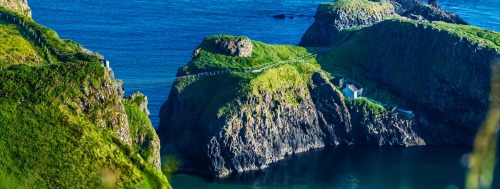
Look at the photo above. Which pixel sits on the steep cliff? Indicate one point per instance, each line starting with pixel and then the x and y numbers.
pixel 244 120
pixel 19 6
pixel 333 17
pixel 63 122
pixel 442 71
pixel 416 9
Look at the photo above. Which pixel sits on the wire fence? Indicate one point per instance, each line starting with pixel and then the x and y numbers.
pixel 255 69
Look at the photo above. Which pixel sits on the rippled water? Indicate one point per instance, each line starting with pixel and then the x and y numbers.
pixel 146 41
pixel 351 167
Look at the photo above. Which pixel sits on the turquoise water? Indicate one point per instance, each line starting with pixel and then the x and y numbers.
pixel 146 41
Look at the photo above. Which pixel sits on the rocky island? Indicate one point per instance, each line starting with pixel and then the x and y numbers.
pixel 426 78
pixel 64 122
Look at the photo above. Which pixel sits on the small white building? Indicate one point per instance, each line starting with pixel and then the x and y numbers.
pixel 104 63
pixel 352 92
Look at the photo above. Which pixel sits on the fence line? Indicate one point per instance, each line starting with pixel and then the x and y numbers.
pixel 255 69
pixel 32 34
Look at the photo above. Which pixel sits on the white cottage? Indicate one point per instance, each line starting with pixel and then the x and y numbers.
pixel 352 92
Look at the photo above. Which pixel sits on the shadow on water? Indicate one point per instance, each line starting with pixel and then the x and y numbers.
pixel 352 167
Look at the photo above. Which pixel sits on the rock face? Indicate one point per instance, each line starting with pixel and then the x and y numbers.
pixel 330 20
pixel 228 45
pixel 445 77
pixel 20 6
pixel 142 101
pixel 334 17
pixel 265 129
pixel 416 9
pixel 144 138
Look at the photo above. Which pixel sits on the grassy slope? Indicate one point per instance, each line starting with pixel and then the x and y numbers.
pixel 357 53
pixel 48 138
pixel 262 54
pixel 15 48
pixel 140 126
pixel 234 86
pixel 352 6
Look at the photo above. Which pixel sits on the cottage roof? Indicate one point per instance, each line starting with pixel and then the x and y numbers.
pixel 352 87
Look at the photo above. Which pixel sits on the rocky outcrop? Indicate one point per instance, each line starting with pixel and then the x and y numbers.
pixel 266 128
pixel 144 138
pixel 418 10
pixel 142 101
pixel 20 6
pixel 331 18
pixel 228 45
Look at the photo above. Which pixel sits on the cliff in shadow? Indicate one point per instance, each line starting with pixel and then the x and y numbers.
pixel 440 70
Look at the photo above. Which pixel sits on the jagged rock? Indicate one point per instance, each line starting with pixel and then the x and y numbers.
pixel 241 47
pixel 416 9
pixel 227 45
pixel 266 129
pixel 434 4
pixel 20 6
pixel 430 13
pixel 330 20
pixel 142 101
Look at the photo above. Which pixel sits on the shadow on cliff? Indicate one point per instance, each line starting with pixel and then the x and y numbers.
pixel 444 79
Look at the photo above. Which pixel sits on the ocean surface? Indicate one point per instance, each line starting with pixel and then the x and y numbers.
pixel 146 41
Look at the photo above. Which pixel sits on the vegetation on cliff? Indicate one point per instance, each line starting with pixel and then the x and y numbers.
pixel 261 116
pixel 439 71
pixel 62 122
pixel 335 16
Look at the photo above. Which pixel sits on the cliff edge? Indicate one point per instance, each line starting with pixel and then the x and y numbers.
pixel 263 108
pixel 64 121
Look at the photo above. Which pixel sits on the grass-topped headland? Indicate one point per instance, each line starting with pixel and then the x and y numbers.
pixel 335 16
pixel 353 6
pixel 53 134
pixel 63 123
pixel 209 58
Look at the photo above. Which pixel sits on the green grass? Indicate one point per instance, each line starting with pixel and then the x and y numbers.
pixel 141 128
pixel 60 50
pixel 363 50
pixel 209 59
pixel 15 49
pixel 49 141
pixel 478 35
pixel 59 118
pixel 218 100
pixel 367 104
pixel 352 6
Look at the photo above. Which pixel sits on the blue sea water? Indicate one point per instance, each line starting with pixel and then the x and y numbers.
pixel 146 41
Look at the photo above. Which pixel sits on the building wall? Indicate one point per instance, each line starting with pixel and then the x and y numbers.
pixel 348 93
